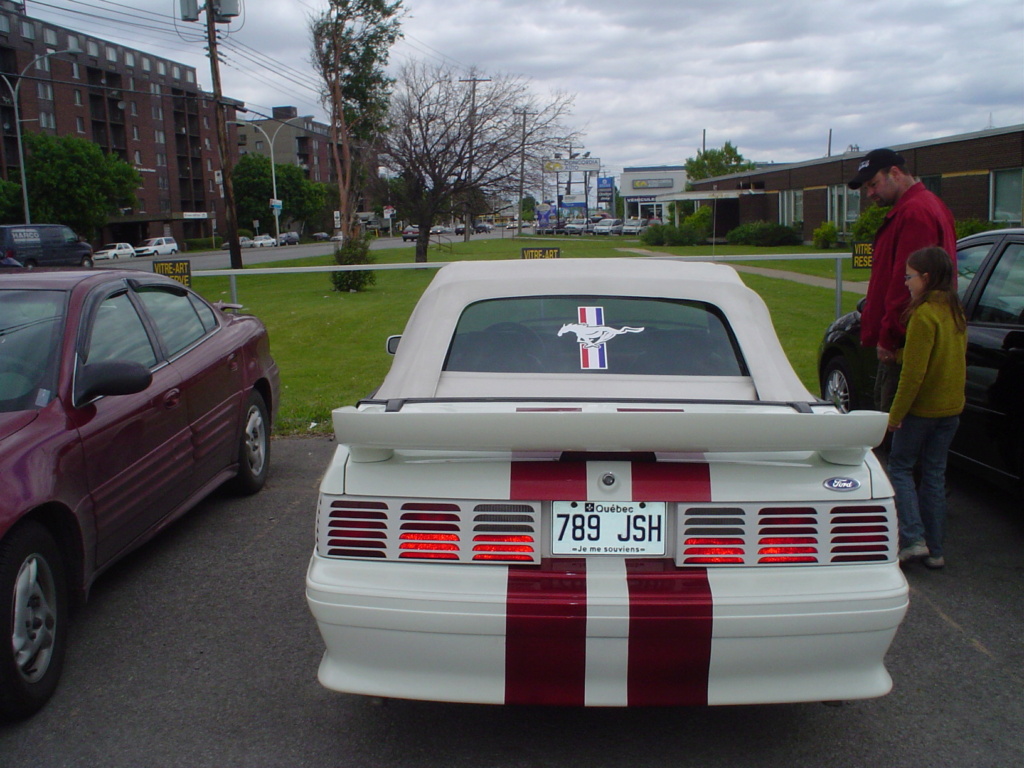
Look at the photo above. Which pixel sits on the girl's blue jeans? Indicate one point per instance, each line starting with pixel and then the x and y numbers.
pixel 921 508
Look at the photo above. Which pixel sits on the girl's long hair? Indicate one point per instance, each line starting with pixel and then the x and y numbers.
pixel 940 279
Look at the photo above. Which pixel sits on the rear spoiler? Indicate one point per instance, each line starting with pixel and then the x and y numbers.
pixel 838 438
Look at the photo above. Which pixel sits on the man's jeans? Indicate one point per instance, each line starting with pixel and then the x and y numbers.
pixel 921 510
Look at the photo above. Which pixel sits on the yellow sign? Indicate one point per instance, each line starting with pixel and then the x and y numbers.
pixel 541 253
pixel 176 270
pixel 863 255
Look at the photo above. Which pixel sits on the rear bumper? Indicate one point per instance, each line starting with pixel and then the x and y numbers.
pixel 606 632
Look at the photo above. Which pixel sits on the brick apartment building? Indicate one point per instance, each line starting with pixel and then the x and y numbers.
pixel 978 175
pixel 147 110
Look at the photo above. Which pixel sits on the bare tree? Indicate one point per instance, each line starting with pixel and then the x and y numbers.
pixel 351 42
pixel 453 137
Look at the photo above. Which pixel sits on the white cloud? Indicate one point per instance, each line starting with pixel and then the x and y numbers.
pixel 651 76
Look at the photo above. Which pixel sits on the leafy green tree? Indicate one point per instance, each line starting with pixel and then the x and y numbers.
pixel 10 203
pixel 303 200
pixel 71 181
pixel 526 210
pixel 351 44
pixel 716 162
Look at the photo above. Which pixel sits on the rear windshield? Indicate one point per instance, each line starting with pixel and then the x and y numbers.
pixel 595 335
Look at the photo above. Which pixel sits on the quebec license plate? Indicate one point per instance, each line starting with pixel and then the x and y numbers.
pixel 608 528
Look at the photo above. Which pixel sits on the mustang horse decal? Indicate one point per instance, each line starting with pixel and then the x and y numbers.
pixel 592 335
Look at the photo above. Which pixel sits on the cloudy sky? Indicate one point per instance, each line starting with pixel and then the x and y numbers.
pixel 653 78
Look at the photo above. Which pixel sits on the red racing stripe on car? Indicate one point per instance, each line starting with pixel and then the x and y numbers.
pixel 671 481
pixel 548 480
pixel 546 634
pixel 670 621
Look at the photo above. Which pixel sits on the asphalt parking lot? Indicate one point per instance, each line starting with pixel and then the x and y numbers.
pixel 198 650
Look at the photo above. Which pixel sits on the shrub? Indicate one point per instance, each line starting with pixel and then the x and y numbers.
pixel 972 226
pixel 763 234
pixel 354 250
pixel 666 234
pixel 700 222
pixel 868 223
pixel 825 236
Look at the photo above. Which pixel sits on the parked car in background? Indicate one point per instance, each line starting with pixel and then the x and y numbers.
pixel 288 238
pixel 320 236
pixel 608 227
pixel 44 245
pixel 483 227
pixel 634 226
pixel 575 227
pixel 264 241
pixel 157 246
pixel 125 399
pixel 337 238
pixel 990 439
pixel 114 251
pixel 599 482
pixel 243 242
pixel 411 232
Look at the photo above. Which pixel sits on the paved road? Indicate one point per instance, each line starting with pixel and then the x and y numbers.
pixel 198 650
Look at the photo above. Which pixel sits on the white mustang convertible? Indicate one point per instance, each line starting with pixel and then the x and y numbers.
pixel 599 482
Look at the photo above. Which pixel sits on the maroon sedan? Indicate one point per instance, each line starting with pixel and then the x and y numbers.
pixel 125 398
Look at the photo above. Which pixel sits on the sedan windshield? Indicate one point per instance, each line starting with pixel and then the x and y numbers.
pixel 30 332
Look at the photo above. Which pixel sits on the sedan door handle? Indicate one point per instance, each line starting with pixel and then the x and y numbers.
pixel 172 398
pixel 233 361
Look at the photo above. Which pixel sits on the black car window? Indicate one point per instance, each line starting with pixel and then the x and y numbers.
pixel 594 335
pixel 1002 300
pixel 968 262
pixel 175 316
pixel 117 333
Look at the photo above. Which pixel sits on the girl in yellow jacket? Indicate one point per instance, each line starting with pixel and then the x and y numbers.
pixel 929 400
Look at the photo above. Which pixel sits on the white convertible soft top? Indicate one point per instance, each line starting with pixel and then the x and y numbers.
pixel 417 368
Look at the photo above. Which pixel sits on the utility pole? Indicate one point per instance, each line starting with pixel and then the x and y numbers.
pixel 469 169
pixel 219 12
pixel 522 176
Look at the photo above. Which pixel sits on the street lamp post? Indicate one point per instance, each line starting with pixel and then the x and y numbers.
pixel 273 167
pixel 14 89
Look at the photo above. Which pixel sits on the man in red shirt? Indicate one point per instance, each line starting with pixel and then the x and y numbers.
pixel 918 219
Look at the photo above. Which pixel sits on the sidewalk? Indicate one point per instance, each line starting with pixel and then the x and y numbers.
pixel 860 288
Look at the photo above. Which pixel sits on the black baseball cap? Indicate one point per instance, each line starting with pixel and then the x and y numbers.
pixel 874 161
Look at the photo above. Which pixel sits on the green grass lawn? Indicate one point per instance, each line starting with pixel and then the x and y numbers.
pixel 330 345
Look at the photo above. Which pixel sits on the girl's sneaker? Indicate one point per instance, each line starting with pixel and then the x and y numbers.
pixel 935 562
pixel 914 551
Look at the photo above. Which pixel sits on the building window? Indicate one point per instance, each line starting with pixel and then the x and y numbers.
pixel 78 98
pixel 73 45
pixel 129 59
pixel 80 124
pixel 5 24
pixel 47 120
pixel 176 72
pixel 43 63
pixel 1007 196
pixel 161 68
pixel 209 165
pixel 791 206
pixel 138 157
pixel 28 30
pixel 146 64
pixel 259 146
pixel 843 206
pixel 45 91
pixel 206 142
pixel 158 112
pixel 161 158
pixel 159 137
pixel 206 121
pixel 133 108
pixel 50 37
pixel 135 132
pixel 75 72
pixel 190 76
pixel 92 48
pixel 154 88
pixel 111 53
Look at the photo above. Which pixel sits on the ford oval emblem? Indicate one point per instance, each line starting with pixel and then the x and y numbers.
pixel 842 484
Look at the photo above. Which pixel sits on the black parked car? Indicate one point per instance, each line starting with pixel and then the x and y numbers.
pixel 990 266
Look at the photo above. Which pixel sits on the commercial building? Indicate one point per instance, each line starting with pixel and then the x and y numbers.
pixel 149 111
pixel 978 175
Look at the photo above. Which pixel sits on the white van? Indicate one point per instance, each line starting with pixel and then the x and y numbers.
pixel 157 246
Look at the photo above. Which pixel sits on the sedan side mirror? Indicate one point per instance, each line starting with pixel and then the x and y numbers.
pixel 392 344
pixel 113 377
